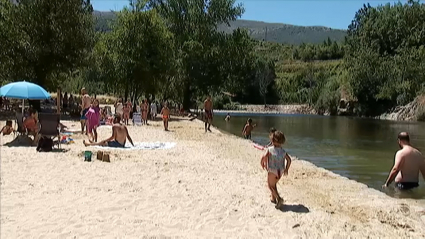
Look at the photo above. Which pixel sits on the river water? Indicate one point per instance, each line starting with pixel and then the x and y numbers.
pixel 359 149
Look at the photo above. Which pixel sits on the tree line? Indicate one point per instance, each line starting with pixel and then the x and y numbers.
pixel 172 50
pixel 157 49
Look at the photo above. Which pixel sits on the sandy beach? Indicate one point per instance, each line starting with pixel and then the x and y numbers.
pixel 208 185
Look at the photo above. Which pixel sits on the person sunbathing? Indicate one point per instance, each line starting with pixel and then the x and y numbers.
pixel 31 123
pixel 8 128
pixel 118 137
pixel 32 126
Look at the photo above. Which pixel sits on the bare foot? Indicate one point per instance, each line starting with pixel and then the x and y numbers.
pixel 279 203
pixel 85 143
pixel 273 200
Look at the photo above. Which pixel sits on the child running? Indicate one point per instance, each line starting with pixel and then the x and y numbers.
pixel 165 112
pixel 93 120
pixel 274 162
pixel 246 132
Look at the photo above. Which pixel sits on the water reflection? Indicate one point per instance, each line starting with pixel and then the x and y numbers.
pixel 360 149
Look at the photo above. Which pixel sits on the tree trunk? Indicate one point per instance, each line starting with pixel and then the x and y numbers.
pixel 126 93
pixel 187 95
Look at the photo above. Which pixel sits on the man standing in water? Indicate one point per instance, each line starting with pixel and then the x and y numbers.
pixel 208 107
pixel 118 137
pixel 85 105
pixel 408 162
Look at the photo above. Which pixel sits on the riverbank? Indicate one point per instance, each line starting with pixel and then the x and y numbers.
pixel 208 185
pixel 273 109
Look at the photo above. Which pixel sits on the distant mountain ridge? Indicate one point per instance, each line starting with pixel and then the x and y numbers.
pixel 272 32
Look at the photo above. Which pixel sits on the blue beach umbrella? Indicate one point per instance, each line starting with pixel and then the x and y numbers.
pixel 24 90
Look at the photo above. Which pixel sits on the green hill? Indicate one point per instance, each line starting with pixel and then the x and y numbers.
pixel 276 32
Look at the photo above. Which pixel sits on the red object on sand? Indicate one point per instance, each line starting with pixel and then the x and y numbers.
pixel 257 146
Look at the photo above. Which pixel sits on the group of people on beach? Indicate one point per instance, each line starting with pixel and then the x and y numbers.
pixel 91 113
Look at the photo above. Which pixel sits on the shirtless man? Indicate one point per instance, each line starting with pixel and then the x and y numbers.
pixel 85 105
pixel 208 107
pixel 165 112
pixel 118 137
pixel 408 162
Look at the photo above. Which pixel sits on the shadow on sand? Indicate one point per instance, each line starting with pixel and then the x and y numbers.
pixel 298 208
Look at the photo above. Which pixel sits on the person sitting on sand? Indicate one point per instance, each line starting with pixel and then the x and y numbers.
pixel 8 128
pixel 165 112
pixel 274 161
pixel 118 137
pixel 407 165
pixel 246 132
pixel 271 132
pixel 227 117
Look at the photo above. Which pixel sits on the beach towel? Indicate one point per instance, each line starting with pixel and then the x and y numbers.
pixel 144 146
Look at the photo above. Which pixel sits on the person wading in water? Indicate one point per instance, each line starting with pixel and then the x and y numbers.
pixel 408 163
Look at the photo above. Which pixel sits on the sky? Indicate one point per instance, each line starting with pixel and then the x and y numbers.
pixel 330 13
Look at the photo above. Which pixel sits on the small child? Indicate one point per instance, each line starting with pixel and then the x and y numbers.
pixel 8 128
pixel 274 162
pixel 246 132
pixel 93 120
pixel 227 117
pixel 271 132
pixel 165 112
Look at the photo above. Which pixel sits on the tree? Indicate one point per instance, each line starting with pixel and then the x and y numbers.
pixel 265 76
pixel 141 47
pixel 384 55
pixel 196 40
pixel 54 36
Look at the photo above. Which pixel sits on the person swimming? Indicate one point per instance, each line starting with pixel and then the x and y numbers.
pixel 227 117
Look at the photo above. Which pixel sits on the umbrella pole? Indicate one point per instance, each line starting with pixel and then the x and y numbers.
pixel 23 106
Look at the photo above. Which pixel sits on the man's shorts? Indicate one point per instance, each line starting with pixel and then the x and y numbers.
pixel 406 185
pixel 115 144
pixel 83 115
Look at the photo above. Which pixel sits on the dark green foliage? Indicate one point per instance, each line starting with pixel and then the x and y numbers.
pixel 44 38
pixel 385 55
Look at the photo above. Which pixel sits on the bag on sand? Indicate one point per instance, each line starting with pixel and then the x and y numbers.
pixel 45 144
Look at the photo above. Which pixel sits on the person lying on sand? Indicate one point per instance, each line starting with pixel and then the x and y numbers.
pixel 246 132
pixel 274 162
pixel 118 138
pixel 407 164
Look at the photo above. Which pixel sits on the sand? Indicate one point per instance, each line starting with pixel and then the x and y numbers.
pixel 208 185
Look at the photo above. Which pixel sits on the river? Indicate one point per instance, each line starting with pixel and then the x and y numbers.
pixel 359 149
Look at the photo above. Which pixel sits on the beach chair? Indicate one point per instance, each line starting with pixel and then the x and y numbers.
pixel 49 126
pixel 20 129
